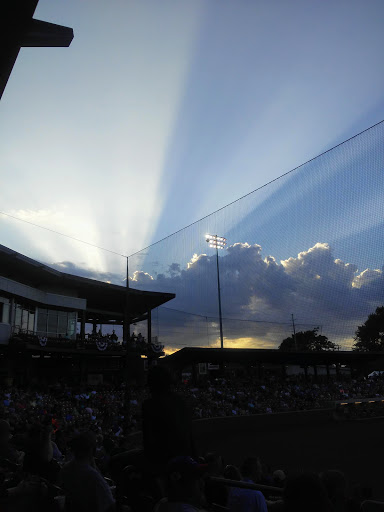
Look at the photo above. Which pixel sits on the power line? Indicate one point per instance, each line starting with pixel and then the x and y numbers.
pixel 259 188
pixel 202 218
pixel 63 234
pixel 233 319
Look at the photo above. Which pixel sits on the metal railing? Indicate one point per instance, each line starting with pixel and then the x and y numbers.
pixel 267 490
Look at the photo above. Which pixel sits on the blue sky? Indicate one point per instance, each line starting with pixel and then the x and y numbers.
pixel 162 112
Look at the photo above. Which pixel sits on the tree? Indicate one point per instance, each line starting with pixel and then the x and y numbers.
pixel 369 337
pixel 307 341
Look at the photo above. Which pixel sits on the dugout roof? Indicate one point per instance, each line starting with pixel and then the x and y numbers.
pixel 249 356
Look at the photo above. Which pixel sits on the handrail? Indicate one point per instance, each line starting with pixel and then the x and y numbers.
pixel 267 489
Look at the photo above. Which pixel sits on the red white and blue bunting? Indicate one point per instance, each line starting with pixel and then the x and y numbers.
pixel 101 344
pixel 43 341
pixel 157 348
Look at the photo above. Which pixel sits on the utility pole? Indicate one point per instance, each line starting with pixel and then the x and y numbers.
pixel 126 339
pixel 294 332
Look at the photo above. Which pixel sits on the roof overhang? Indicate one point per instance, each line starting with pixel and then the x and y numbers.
pixel 105 302
pixel 194 355
pixel 18 29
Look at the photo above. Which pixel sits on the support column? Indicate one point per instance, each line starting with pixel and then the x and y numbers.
pixel 126 324
pixel 35 320
pixel 12 314
pixel 149 327
pixel 83 370
pixel 82 326
pixel 127 316
pixel 315 371
pixel 94 327
pixel 194 373
pixel 328 372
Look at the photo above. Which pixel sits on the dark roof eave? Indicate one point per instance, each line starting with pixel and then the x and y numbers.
pixel 85 282
pixel 195 355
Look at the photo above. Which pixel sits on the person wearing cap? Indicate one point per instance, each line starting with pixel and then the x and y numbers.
pixel 185 486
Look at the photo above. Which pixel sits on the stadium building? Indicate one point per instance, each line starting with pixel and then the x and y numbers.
pixel 44 316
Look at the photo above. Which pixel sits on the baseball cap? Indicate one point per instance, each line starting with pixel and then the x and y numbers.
pixel 186 467
pixel 279 475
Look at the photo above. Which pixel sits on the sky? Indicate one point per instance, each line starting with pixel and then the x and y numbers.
pixel 160 113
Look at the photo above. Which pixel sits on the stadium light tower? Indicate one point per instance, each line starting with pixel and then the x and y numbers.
pixel 218 242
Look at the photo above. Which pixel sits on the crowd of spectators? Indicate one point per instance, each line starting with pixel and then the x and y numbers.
pixel 62 441
pixel 239 397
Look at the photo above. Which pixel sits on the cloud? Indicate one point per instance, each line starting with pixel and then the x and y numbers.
pixel 259 294
pixel 142 277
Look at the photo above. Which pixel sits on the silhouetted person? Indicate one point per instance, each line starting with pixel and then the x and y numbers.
pixel 215 492
pixel 7 451
pixel 248 500
pixel 185 487
pixel 167 423
pixel 84 485
pixel 38 458
pixel 336 486
pixel 306 492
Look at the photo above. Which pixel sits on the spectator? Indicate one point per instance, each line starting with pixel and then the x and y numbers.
pixel 215 492
pixel 85 487
pixel 279 478
pixel 251 470
pixel 167 423
pixel 232 473
pixel 185 487
pixel 306 492
pixel 336 487
pixel 38 458
pixel 248 500
pixel 7 451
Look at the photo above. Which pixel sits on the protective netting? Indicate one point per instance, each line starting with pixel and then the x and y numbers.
pixel 309 244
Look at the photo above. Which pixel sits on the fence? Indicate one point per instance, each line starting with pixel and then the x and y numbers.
pixel 306 249
pixel 308 244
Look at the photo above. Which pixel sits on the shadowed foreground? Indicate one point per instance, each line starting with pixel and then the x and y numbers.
pixel 309 440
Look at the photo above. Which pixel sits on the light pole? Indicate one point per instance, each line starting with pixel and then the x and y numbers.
pixel 126 339
pixel 218 242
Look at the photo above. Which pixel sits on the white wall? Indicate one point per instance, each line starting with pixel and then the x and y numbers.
pixel 49 299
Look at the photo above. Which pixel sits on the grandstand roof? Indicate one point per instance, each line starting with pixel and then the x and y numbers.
pixel 18 29
pixel 250 356
pixel 106 300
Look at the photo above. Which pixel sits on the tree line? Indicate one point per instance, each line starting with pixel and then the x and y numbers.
pixel 369 337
